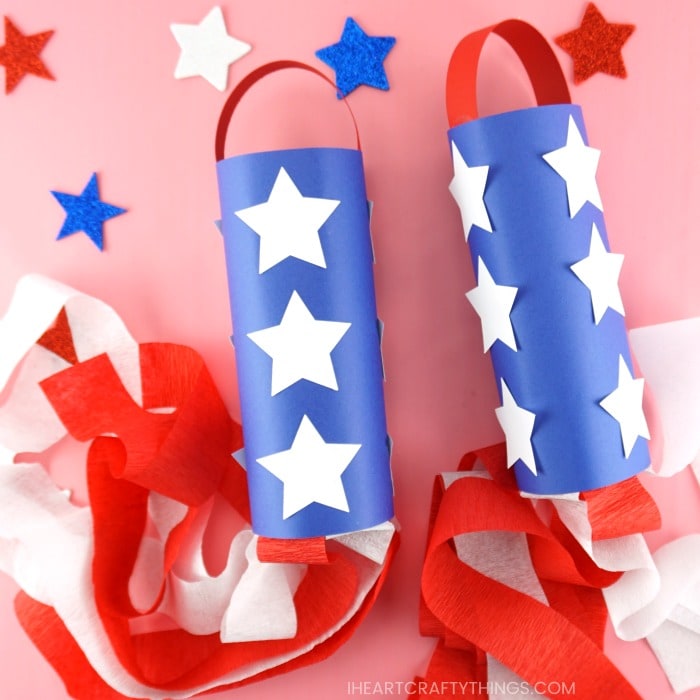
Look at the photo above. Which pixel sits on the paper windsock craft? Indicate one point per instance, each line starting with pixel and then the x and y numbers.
pixel 299 259
pixel 557 546
pixel 547 284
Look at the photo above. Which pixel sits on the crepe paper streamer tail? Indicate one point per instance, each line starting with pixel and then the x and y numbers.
pixel 646 596
pixel 547 285
pixel 299 261
pixel 513 598
pixel 117 594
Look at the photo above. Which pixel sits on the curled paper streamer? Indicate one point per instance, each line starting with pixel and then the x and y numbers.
pixel 299 261
pixel 117 594
pixel 547 290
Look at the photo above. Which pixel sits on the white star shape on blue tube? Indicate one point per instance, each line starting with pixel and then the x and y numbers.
pixel 517 424
pixel 207 49
pixel 311 470
pixel 624 404
pixel 600 272
pixel 493 302
pixel 467 187
pixel 577 164
pixel 300 347
pixel 288 224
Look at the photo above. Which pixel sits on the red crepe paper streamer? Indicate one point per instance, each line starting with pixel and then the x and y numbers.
pixel 472 614
pixel 156 451
pixel 596 46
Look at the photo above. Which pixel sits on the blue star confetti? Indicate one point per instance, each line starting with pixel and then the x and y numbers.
pixel 86 212
pixel 357 59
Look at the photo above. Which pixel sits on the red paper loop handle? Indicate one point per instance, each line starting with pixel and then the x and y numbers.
pixel 235 97
pixel 532 48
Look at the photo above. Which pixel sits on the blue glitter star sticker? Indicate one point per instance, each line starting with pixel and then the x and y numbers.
pixel 357 59
pixel 85 212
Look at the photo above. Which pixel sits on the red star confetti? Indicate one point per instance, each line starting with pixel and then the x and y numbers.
pixel 20 55
pixel 596 46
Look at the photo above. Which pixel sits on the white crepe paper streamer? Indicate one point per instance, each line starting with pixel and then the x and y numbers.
pixel 269 590
pixel 504 557
pixel 95 326
pixel 668 357
pixel 46 543
pixel 504 684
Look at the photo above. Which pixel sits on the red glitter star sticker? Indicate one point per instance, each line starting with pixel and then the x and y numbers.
pixel 20 55
pixel 596 46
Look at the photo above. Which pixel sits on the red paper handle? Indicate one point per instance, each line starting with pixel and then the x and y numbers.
pixel 532 48
pixel 235 97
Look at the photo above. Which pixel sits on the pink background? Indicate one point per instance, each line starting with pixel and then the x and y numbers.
pixel 115 108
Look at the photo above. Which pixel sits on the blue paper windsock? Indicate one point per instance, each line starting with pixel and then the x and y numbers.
pixel 305 331
pixel 547 284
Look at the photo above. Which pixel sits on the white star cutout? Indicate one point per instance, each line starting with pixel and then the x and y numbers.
pixel 600 272
pixel 517 423
pixel 467 187
pixel 311 470
pixel 300 347
pixel 207 49
pixel 288 224
pixel 493 302
pixel 577 164
pixel 624 404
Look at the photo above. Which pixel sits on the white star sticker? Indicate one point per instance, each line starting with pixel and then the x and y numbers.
pixel 288 224
pixel 577 164
pixel 300 347
pixel 311 470
pixel 467 187
pixel 517 423
pixel 207 49
pixel 493 302
pixel 624 404
pixel 600 272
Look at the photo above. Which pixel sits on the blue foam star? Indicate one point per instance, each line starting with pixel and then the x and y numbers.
pixel 357 59
pixel 85 212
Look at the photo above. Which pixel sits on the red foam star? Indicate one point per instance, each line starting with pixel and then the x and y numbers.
pixel 596 46
pixel 20 55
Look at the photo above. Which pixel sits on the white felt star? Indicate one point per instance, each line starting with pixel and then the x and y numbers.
pixel 288 224
pixel 600 272
pixel 624 404
pixel 207 49
pixel 311 470
pixel 467 187
pixel 577 164
pixel 493 302
pixel 517 423
pixel 300 347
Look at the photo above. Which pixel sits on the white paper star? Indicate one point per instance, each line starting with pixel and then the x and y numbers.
pixel 288 224
pixel 600 272
pixel 467 187
pixel 577 164
pixel 517 423
pixel 311 470
pixel 300 347
pixel 207 49
pixel 624 404
pixel 493 302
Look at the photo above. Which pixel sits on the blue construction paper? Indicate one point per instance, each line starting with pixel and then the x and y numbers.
pixel 565 363
pixel 342 291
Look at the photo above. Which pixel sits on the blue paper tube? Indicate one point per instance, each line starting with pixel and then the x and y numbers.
pixel 547 284
pixel 299 263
